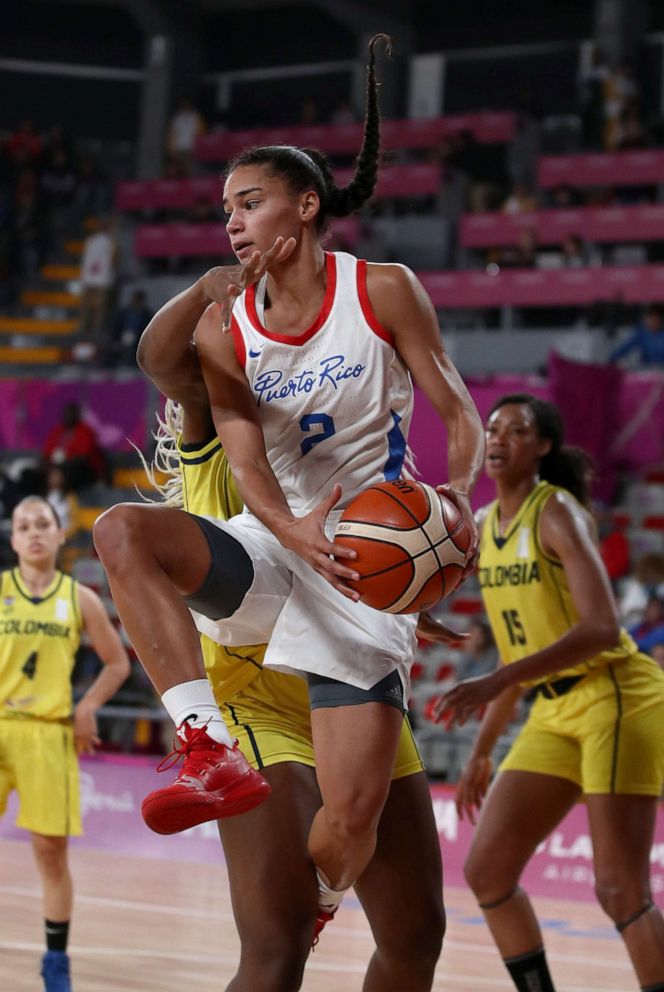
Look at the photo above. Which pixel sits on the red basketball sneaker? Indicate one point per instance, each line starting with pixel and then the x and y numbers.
pixel 322 917
pixel 214 782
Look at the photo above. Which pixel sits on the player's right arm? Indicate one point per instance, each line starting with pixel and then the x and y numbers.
pixel 236 419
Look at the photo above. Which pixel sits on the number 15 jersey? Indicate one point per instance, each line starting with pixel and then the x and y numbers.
pixel 525 591
pixel 39 638
pixel 334 401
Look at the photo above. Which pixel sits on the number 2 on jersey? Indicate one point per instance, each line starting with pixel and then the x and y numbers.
pixel 515 631
pixel 315 420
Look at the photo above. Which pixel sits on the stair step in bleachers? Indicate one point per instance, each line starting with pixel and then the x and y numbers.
pixel 74 247
pixel 31 325
pixel 31 356
pixel 129 477
pixel 50 298
pixel 59 273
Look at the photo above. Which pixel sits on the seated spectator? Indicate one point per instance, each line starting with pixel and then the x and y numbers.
pixel 478 651
pixel 523 255
pixel 631 132
pixel 574 252
pixel 564 197
pixel 646 581
pixel 613 546
pixel 647 339
pixel 73 445
pixel 649 632
pixel 130 322
pixel 24 145
pixel 343 113
pixel 184 127
pixel 520 201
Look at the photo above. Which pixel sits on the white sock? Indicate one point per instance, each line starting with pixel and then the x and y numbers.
pixel 328 899
pixel 195 703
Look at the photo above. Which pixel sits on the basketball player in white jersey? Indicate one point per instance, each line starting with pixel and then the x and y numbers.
pixel 311 395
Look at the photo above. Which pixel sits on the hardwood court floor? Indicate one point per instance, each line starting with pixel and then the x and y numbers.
pixel 155 926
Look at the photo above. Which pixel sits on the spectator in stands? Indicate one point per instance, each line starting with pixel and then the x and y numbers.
pixel 57 190
pixel 564 196
pixel 72 444
pixel 60 496
pixel 343 113
pixel 631 132
pixel 574 253
pixel 613 545
pixel 650 631
pixel 646 581
pixel 28 227
pixel 647 339
pixel 97 281
pixel 184 128
pixel 521 200
pixel 93 194
pixel 203 212
pixel 24 145
pixel 478 652
pixel 591 100
pixel 308 113
pixel 620 90
pixel 523 255
pixel 130 322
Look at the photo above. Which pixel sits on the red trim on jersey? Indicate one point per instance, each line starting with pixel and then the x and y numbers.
pixel 328 300
pixel 365 303
pixel 238 341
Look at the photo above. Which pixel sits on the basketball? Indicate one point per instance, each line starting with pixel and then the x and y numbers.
pixel 411 545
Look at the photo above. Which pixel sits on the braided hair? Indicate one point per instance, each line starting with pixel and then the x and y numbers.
pixel 307 168
pixel 563 465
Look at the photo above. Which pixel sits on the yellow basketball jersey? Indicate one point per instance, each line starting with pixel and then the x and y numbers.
pixel 525 591
pixel 38 643
pixel 209 489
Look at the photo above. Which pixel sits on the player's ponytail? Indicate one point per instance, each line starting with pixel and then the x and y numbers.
pixel 307 168
pixel 564 465
pixel 166 459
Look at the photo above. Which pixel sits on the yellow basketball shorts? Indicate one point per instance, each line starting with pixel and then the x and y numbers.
pixel 39 760
pixel 271 720
pixel 606 734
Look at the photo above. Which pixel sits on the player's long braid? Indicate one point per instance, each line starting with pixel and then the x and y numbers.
pixel 307 168
pixel 345 200
pixel 166 460
pixel 564 465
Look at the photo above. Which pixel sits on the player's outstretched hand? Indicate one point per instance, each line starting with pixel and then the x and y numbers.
pixel 306 537
pixel 224 283
pixel 462 503
pixel 430 629
pixel 458 704
pixel 472 786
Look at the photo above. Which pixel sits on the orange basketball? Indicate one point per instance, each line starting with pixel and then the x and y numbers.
pixel 411 545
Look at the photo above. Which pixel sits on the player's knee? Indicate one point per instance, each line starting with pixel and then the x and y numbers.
pixel 620 894
pixel 51 856
pixel 275 956
pixel 413 948
pixel 486 878
pixel 352 815
pixel 114 531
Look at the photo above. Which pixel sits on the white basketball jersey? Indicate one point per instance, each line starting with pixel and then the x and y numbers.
pixel 335 401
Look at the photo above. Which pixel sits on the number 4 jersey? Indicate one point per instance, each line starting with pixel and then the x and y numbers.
pixel 38 642
pixel 335 400
pixel 525 590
